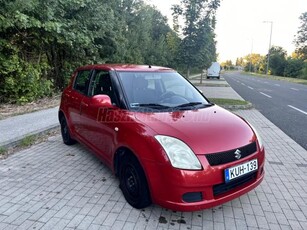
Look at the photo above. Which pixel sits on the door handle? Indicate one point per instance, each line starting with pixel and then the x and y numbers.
pixel 84 104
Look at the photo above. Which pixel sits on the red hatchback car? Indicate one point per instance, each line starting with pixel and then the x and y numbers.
pixel 164 140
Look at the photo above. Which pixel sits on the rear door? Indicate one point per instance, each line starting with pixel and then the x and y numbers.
pixel 79 91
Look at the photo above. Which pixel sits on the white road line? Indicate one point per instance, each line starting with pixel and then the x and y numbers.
pixel 277 84
pixel 298 109
pixel 266 95
pixel 242 84
pixel 250 87
pixel 295 89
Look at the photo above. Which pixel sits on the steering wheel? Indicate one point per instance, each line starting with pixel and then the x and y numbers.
pixel 172 98
pixel 167 94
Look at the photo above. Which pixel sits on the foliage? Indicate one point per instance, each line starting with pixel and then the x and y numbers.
pixel 277 60
pixel 301 38
pixel 197 49
pixel 227 101
pixel 43 41
pixel 240 62
pixel 303 74
pixel 280 64
pixel 27 141
pixel 293 67
pixel 2 150
pixel 254 63
pixel 227 65
pixel 20 80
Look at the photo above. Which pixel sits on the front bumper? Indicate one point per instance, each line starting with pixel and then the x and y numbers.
pixel 184 190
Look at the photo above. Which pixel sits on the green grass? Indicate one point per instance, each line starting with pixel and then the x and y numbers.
pixel 27 141
pixel 226 101
pixel 2 150
pixel 272 77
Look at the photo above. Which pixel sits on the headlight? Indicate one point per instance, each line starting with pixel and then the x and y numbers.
pixel 257 135
pixel 179 154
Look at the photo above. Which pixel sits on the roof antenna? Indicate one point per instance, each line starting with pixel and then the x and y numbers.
pixel 149 66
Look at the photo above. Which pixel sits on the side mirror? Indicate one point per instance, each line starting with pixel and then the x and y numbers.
pixel 102 101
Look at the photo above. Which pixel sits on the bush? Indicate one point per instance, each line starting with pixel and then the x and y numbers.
pixel 21 81
pixel 293 67
pixel 303 74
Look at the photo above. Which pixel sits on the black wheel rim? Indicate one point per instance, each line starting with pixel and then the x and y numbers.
pixel 131 182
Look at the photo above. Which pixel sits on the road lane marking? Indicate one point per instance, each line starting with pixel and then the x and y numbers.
pixel 298 109
pixel 266 82
pixel 250 87
pixel 266 95
pixel 242 84
pixel 295 89
pixel 277 84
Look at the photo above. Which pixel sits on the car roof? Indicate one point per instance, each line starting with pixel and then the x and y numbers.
pixel 127 67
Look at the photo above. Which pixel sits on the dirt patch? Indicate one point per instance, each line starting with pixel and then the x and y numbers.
pixel 9 110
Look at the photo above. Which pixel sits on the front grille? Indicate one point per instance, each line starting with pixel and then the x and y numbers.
pixel 229 156
pixel 225 187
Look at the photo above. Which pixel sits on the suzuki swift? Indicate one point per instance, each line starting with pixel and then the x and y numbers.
pixel 164 140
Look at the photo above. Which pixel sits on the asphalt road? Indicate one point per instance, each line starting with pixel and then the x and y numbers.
pixel 283 103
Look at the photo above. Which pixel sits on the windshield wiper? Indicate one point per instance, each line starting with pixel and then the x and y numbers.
pixel 152 105
pixel 193 104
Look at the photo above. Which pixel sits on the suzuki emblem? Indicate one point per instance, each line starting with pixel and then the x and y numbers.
pixel 238 154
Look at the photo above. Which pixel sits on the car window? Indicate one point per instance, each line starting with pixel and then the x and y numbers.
pixel 82 81
pixel 164 88
pixel 102 84
pixel 176 87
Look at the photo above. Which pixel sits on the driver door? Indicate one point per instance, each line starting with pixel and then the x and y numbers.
pixel 100 133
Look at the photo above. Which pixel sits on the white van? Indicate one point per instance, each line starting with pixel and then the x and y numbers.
pixel 214 70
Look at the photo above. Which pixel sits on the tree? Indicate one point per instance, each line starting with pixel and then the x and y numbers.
pixel 293 67
pixel 255 63
pixel 197 48
pixel 147 35
pixel 301 37
pixel 277 60
pixel 240 62
pixel 62 34
pixel 227 65
pixel 43 41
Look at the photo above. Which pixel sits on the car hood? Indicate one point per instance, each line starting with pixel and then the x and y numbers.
pixel 207 130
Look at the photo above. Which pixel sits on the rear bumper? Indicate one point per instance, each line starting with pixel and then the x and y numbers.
pixel 217 76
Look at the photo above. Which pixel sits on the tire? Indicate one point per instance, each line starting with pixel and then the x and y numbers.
pixel 66 133
pixel 133 182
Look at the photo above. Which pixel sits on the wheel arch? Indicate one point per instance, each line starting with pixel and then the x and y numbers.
pixel 127 154
pixel 119 154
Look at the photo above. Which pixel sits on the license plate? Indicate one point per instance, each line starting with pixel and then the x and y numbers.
pixel 240 170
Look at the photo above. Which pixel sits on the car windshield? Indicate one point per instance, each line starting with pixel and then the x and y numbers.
pixel 160 91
